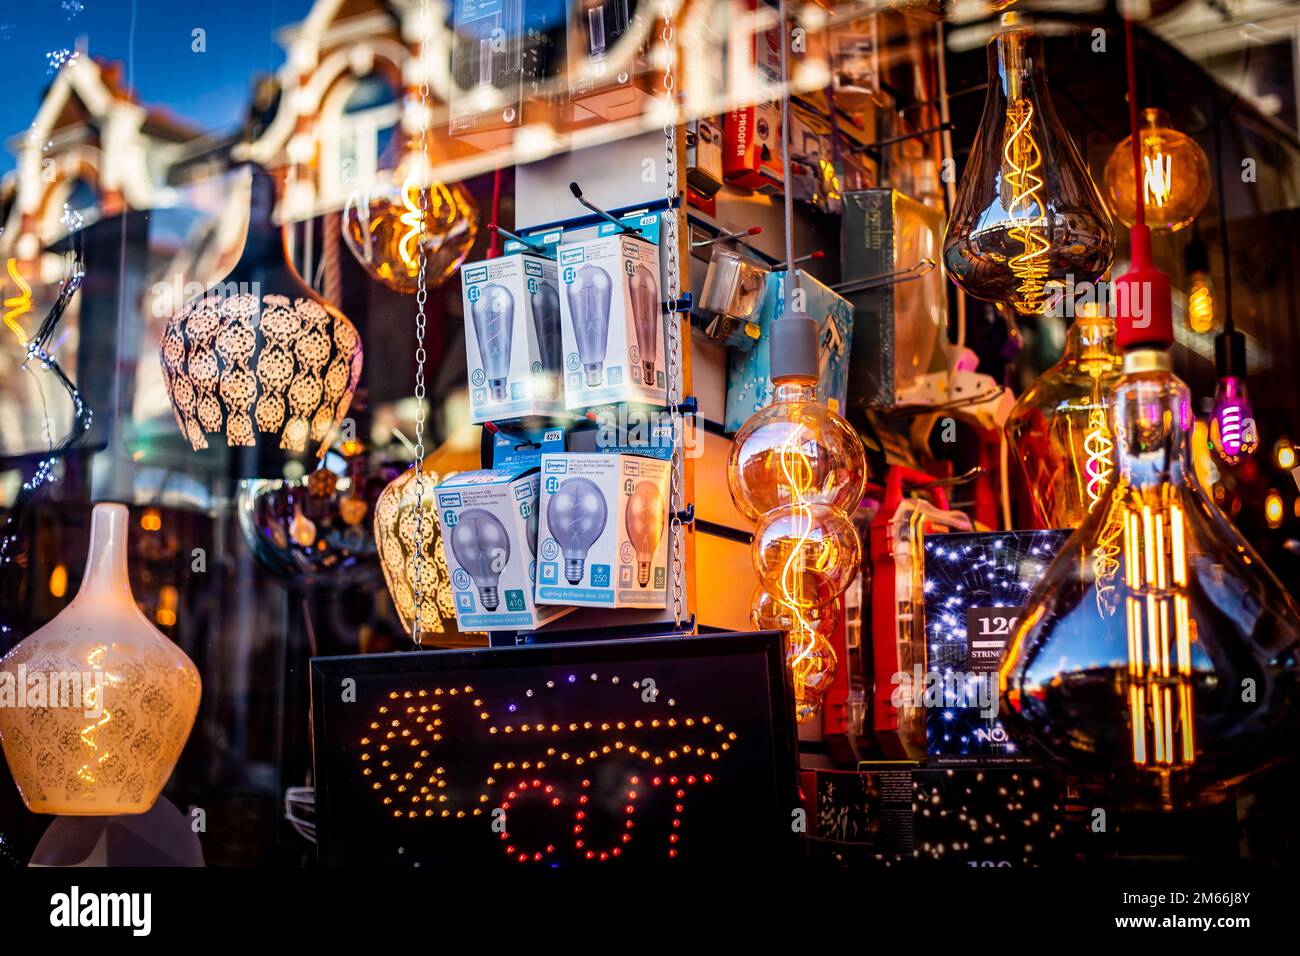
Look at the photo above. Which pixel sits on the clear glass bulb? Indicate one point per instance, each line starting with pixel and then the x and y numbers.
pixel 1059 429
pixel 1027 215
pixel 1159 659
pixel 1175 176
pixel 806 555
pixel 795 450
pixel 1232 421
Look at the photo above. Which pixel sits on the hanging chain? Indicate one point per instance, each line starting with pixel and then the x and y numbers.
pixel 424 184
pixel 676 532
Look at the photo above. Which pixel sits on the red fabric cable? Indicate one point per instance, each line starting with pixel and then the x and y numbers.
pixel 1130 65
pixel 494 249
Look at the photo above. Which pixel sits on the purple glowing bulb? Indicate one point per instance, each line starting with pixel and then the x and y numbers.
pixel 1232 422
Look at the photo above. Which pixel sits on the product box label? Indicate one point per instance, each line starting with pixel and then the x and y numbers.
pixel 488 521
pixel 603 531
pixel 612 321
pixel 513 342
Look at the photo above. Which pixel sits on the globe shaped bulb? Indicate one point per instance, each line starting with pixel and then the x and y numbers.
pixel 795 450
pixel 381 225
pixel 1175 176
pixel 806 555
pixel 1158 662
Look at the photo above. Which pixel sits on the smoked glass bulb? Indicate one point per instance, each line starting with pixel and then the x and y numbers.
pixel 1027 215
pixel 1059 429
pixel 1159 659
pixel 795 450
pixel 381 225
pixel 1175 176
pixel 806 555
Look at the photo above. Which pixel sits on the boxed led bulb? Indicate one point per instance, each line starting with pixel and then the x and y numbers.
pixel 512 337
pixel 612 321
pixel 602 539
pixel 489 533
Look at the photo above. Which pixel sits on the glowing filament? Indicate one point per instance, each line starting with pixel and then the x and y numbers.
pixel 1160 636
pixel 19 304
pixel 1158 177
pixel 1024 159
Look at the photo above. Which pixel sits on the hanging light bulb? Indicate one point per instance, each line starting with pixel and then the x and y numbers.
pixel 1027 216
pixel 1273 508
pixel 1059 428
pixel 272 369
pixel 118 698
pixel 1232 421
pixel 1284 454
pixel 381 225
pixel 1175 175
pixel 1183 683
pixel 1199 314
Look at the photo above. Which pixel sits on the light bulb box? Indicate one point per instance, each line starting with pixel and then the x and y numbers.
pixel 612 319
pixel 976 588
pixel 602 538
pixel 488 521
pixel 512 337
pixel 749 383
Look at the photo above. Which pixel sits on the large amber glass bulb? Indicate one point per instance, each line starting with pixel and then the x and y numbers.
pixel 1027 215
pixel 1167 675
pixel 1059 429
pixel 381 225
pixel 795 450
pixel 1175 176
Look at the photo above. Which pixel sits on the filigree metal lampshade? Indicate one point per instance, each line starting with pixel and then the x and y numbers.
pixel 108 701
pixel 401 537
pixel 260 358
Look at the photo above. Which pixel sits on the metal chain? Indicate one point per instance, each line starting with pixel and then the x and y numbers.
pixel 424 184
pixel 672 293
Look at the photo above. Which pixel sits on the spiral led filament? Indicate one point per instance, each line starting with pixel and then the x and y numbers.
pixel 1158 177
pixel 1160 635
pixel 1024 159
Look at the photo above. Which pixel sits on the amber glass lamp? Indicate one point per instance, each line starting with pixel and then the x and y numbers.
pixel 1059 429
pixel 1175 175
pixel 381 225
pixel 108 701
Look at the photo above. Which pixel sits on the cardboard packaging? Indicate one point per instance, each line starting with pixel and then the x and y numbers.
pixel 751 155
pixel 976 585
pixel 513 343
pixel 610 75
pixel 501 52
pixel 749 386
pixel 603 532
pixel 489 531
pixel 612 321
pixel 901 325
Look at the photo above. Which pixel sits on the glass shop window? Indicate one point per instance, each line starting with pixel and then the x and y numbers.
pixel 359 124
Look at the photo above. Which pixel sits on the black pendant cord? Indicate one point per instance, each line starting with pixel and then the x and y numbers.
pixel 1229 325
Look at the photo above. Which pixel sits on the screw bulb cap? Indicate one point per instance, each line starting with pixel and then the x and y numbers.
pixel 1144 310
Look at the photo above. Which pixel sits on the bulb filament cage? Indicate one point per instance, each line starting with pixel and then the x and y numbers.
pixel 1024 159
